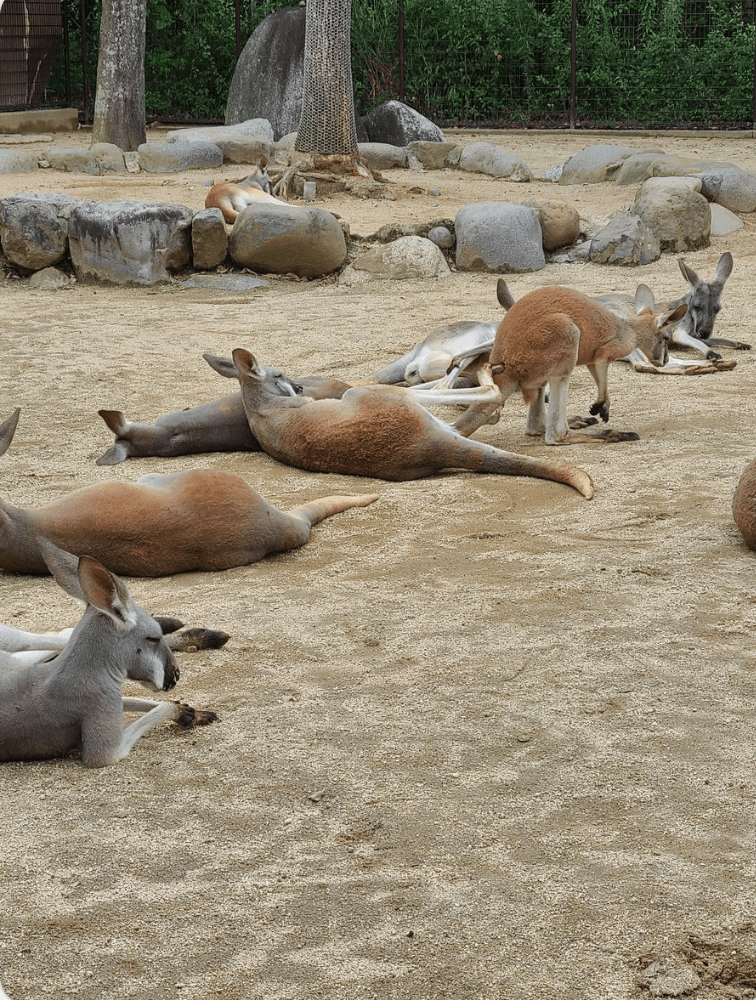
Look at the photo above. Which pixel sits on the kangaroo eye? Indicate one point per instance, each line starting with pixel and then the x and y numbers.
pixel 154 639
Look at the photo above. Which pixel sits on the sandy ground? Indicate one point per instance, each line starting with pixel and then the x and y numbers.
pixel 483 739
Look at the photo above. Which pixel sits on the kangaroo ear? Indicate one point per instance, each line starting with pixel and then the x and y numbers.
pixel 7 430
pixel 689 274
pixel 64 567
pixel 224 366
pixel 644 298
pixel 724 269
pixel 246 363
pixel 106 593
pixel 671 316
pixel 503 294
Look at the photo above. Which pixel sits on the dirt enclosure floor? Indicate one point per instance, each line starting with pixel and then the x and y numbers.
pixel 482 740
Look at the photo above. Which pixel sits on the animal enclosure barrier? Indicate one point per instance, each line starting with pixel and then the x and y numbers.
pixel 524 63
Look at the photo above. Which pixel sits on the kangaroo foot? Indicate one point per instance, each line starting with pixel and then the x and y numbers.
pixel 610 436
pixel 576 423
pixel 189 717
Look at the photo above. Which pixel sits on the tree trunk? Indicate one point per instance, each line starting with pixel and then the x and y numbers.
pixel 119 103
pixel 327 124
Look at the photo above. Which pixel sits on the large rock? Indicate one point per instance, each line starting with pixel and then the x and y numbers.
pixel 382 156
pixel 129 243
pixel 399 125
pixel 268 81
pixel 209 239
pixel 34 229
pixel 174 157
pixel 595 164
pixel 17 161
pixel 407 257
pixel 560 223
pixel 99 158
pixel 625 240
pixel 485 158
pixel 242 143
pixel 499 237
pixel 283 239
pixel 678 216
pixel 435 155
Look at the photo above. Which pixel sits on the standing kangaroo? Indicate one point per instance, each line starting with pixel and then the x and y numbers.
pixel 378 431
pixel 162 524
pixel 50 709
pixel 550 331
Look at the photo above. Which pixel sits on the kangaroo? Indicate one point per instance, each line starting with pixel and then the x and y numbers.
pixel 378 431
pixel 430 360
pixel 50 709
pixel 161 524
pixel 233 196
pixel 220 425
pixel 550 331
pixel 744 505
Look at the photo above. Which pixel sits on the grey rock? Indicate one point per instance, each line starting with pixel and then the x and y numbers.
pixel 173 157
pixel 99 158
pixel 281 239
pixel 268 81
pixel 383 156
pixel 129 243
pixel 108 157
pixel 253 128
pixel 209 239
pixel 34 229
pixel 224 282
pixel 595 164
pixel 18 161
pixel 626 241
pixel 649 163
pixel 678 217
pixel 407 257
pixel 723 221
pixel 50 279
pixel 442 237
pixel 399 125
pixel 499 237
pixel 485 158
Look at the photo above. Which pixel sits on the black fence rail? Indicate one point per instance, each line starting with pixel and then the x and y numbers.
pixel 526 63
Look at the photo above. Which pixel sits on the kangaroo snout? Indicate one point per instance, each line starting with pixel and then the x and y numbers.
pixel 171 673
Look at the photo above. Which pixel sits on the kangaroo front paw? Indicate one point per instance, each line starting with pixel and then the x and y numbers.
pixel 740 346
pixel 600 409
pixel 713 356
pixel 612 436
pixel 577 423
pixel 189 717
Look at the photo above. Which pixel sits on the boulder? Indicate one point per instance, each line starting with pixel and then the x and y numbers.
pixel 595 164
pixel 50 279
pixel 498 237
pixel 723 221
pixel 238 283
pixel 129 243
pixel 382 156
pixel 399 125
pixel 626 240
pixel 485 158
pixel 640 166
pixel 560 223
pixel 435 155
pixel 34 229
pixel 268 81
pixel 242 143
pixel 677 216
pixel 209 239
pixel 18 161
pixel 407 257
pixel 173 157
pixel 284 239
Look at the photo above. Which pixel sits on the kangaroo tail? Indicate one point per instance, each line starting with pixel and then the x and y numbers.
pixel 317 510
pixel 506 463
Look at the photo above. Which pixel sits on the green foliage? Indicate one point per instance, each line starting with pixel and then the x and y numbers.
pixel 651 62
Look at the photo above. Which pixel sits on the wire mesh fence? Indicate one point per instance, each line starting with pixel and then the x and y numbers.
pixel 532 63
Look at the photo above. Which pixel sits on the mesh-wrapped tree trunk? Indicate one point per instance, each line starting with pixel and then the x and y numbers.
pixel 327 124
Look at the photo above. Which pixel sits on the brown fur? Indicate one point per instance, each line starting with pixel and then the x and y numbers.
pixel 233 196
pixel 550 331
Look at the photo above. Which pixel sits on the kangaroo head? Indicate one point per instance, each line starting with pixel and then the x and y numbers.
pixel 274 380
pixel 704 297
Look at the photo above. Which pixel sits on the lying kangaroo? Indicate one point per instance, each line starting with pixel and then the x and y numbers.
pixel 162 524
pixel 233 196
pixel 221 425
pixel 744 505
pixel 49 709
pixel 550 331
pixel 379 431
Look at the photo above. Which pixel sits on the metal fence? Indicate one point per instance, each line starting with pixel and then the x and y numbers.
pixel 534 63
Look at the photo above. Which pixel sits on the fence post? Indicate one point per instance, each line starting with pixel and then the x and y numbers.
pixel 573 63
pixel 400 43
